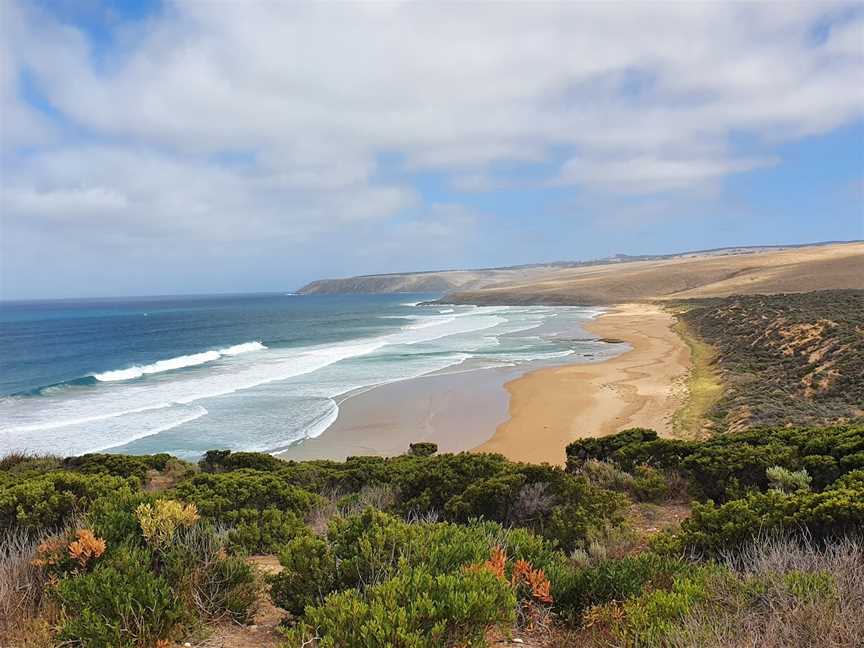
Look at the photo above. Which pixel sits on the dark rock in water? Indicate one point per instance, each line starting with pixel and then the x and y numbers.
pixel 612 341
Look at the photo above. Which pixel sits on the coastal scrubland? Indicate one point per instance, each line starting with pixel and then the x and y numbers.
pixel 750 533
pixel 792 359
pixel 444 550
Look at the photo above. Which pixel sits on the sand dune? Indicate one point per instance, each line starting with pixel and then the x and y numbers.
pixel 790 270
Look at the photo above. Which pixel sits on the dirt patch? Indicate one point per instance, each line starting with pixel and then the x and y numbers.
pixel 263 631
pixel 156 482
pixel 266 563
pixel 648 520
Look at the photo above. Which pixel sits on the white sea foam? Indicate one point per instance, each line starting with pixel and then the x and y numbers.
pixel 194 415
pixel 120 409
pixel 180 362
pixel 81 435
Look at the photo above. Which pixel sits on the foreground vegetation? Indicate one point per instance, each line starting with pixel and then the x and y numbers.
pixel 444 550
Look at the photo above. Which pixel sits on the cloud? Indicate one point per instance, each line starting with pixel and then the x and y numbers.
pixel 646 174
pixel 269 121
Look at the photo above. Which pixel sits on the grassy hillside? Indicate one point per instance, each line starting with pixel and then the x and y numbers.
pixel 784 359
pixel 798 270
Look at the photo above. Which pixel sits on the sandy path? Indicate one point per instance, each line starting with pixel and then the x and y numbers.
pixel 549 408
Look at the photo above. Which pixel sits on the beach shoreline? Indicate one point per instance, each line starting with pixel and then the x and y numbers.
pixel 455 410
pixel 643 387
pixel 525 414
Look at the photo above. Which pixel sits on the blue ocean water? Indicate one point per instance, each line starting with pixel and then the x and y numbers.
pixel 255 372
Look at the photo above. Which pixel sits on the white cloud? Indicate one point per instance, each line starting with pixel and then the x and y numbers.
pixel 460 86
pixel 651 174
pixel 268 122
pixel 64 201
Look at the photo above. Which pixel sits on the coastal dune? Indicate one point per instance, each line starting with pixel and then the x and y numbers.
pixel 642 387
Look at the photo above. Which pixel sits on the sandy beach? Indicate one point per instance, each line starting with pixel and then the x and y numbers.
pixel 551 407
pixel 456 410
pixel 524 416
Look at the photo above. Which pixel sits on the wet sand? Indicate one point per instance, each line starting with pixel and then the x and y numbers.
pixel 458 411
pixel 550 408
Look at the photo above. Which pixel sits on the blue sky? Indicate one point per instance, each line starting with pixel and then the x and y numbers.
pixel 179 147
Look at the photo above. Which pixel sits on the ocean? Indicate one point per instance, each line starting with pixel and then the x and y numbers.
pixel 246 372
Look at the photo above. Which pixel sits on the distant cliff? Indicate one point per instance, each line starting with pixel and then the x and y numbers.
pixel 441 282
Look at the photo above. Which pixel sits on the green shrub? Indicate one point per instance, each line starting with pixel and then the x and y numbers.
pixel 364 550
pixel 650 485
pixel 49 500
pixel 226 587
pixel 309 574
pixel 432 482
pixel 220 460
pixel 787 481
pixel 372 546
pixel 651 617
pixel 824 469
pixel 729 466
pixel 118 465
pixel 571 525
pixel 213 460
pixel 606 475
pixel 208 580
pixel 713 529
pixel 17 466
pixel 628 449
pixel 221 496
pixel 422 449
pixel 416 609
pixel 612 580
pixel 265 531
pixel 119 604
pixel 491 499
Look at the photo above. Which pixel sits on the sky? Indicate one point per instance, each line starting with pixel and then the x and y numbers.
pixel 171 147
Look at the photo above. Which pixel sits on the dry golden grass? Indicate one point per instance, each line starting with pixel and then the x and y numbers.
pixel 792 270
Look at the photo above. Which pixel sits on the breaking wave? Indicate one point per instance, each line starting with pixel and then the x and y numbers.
pixel 179 362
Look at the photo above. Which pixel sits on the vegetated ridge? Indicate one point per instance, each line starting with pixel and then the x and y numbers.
pixel 794 359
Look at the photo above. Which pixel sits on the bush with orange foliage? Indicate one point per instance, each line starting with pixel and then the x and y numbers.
pixel 64 554
pixel 87 546
pixel 528 583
